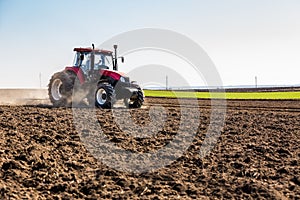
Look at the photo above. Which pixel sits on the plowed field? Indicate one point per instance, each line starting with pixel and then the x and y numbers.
pixel 257 154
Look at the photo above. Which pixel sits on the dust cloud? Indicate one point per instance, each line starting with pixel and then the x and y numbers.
pixel 23 96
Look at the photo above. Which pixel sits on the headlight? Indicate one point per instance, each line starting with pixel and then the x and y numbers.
pixel 122 79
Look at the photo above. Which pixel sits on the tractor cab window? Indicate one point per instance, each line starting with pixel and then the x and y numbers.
pixel 102 61
pixel 99 60
pixel 77 60
pixel 86 63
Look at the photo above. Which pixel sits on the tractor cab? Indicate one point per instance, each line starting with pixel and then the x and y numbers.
pixel 90 60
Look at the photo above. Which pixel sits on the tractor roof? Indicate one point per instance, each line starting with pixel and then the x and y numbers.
pixel 90 50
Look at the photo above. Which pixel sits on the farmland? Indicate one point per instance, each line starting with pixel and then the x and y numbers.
pixel 256 156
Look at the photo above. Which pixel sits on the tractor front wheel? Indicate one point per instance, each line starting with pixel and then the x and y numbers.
pixel 105 95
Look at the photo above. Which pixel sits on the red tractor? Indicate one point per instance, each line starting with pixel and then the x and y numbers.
pixel 91 80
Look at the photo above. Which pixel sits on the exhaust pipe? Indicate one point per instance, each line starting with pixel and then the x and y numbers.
pixel 115 64
pixel 93 58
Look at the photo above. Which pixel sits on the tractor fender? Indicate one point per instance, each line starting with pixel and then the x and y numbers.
pixel 77 71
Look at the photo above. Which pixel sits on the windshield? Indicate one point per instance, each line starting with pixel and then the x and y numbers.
pixel 102 61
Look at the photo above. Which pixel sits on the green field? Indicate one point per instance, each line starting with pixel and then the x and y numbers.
pixel 227 95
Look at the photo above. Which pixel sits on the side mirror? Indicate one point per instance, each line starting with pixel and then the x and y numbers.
pixel 122 59
pixel 81 57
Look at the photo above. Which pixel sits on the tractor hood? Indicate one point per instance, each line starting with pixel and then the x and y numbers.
pixel 113 74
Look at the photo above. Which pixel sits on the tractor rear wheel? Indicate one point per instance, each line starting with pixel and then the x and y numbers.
pixel 60 89
pixel 105 95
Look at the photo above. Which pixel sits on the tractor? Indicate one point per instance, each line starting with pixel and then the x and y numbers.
pixel 91 80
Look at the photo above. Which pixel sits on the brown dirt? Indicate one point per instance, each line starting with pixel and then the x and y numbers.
pixel 257 155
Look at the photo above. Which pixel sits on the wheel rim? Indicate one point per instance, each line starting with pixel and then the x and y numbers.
pixel 101 96
pixel 56 89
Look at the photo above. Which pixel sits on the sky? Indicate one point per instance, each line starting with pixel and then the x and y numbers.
pixel 244 38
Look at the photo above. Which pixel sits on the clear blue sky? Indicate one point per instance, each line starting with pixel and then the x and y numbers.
pixel 244 38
